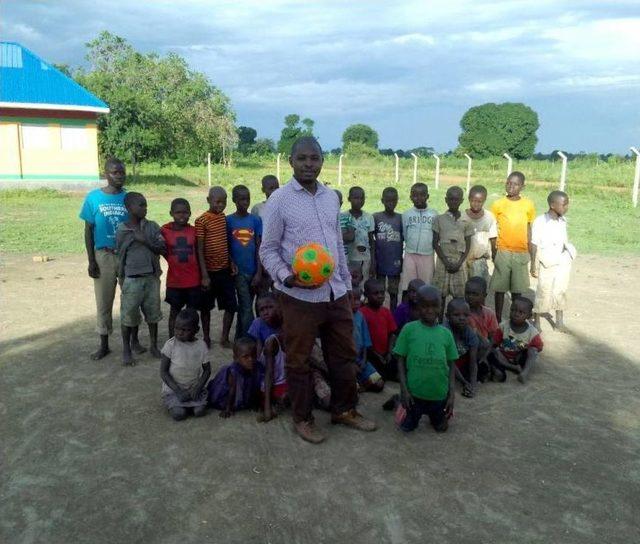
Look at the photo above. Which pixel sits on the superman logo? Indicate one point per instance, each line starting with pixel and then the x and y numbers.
pixel 243 235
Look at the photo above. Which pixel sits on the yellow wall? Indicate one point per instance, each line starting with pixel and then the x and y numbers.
pixel 49 161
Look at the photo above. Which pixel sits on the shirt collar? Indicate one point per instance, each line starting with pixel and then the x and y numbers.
pixel 562 219
pixel 298 187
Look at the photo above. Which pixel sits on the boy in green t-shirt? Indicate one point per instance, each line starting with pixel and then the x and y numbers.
pixel 426 354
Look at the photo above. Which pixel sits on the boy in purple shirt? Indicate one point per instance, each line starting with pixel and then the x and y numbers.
pixel 388 245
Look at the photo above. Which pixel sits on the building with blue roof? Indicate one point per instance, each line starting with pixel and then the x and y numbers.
pixel 48 122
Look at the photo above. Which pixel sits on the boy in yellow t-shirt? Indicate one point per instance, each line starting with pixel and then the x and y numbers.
pixel 511 251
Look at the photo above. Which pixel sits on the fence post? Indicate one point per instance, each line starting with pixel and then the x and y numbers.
pixel 468 172
pixel 437 180
pixel 563 174
pixel 415 167
pixel 397 164
pixel 209 168
pixel 509 163
pixel 636 178
pixel 340 170
pixel 278 166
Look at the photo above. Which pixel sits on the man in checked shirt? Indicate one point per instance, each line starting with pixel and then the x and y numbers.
pixel 304 211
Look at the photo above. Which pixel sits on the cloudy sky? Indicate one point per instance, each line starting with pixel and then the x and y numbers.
pixel 408 68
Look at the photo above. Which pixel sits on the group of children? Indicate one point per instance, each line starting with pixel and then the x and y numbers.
pixel 423 342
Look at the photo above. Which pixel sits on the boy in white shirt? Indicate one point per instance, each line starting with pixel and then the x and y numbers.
pixel 553 258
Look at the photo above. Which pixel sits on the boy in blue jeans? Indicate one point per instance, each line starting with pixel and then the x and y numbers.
pixel 426 354
pixel 245 232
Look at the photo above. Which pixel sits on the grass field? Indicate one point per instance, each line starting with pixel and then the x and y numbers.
pixel 601 217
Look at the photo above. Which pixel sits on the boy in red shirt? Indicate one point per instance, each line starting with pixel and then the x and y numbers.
pixel 382 327
pixel 183 277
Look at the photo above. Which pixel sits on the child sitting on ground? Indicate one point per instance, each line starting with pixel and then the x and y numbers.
pixel 388 245
pixel 482 320
pixel 184 368
pixel 517 343
pixel 268 322
pixel 235 386
pixel 362 249
pixel 451 242
pixel 485 231
pixel 183 277
pixel 368 377
pixel 408 311
pixel 381 328
pixel 553 256
pixel 466 343
pixel 139 244
pixel 426 366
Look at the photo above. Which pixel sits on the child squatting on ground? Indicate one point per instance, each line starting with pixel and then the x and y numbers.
pixel 185 369
pixel 368 377
pixel 139 244
pixel 553 256
pixel 467 344
pixel 426 354
pixel 517 343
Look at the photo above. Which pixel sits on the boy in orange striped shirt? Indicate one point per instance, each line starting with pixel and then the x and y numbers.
pixel 216 267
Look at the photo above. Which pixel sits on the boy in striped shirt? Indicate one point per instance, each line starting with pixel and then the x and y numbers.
pixel 216 267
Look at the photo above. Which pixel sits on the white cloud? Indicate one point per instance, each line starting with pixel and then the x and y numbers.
pixel 496 86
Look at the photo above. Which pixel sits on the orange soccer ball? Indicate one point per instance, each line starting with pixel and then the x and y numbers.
pixel 313 264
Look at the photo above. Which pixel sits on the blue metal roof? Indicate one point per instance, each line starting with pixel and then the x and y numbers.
pixel 27 79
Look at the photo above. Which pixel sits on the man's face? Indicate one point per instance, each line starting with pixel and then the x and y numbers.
pixel 306 162
pixel 115 174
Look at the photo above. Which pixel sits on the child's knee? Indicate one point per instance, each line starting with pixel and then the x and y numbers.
pixel 178 413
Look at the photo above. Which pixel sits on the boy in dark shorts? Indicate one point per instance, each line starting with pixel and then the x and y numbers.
pixel 244 232
pixel 426 354
pixel 183 277
pixel 139 244
pixel 216 268
pixel 388 244
pixel 517 342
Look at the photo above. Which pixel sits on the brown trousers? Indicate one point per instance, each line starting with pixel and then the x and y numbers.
pixel 332 322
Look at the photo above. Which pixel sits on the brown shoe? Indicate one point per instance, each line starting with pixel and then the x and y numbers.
pixel 308 431
pixel 354 419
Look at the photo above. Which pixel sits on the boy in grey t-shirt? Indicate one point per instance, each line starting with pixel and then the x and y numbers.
pixel 139 243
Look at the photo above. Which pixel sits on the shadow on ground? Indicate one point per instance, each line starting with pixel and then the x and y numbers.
pixel 89 455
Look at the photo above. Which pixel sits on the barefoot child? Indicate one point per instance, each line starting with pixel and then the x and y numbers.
pixel 273 384
pixel 466 343
pixel 235 386
pixel 426 365
pixel 368 377
pixel 139 244
pixel 185 369
pixel 269 184
pixel 268 322
pixel 216 269
pixel 244 232
pixel 485 230
pixel 517 342
pixel 418 237
pixel 183 277
pixel 381 328
pixel 451 242
pixel 553 256
pixel 408 311
pixel 388 245
pixel 482 320
pixel 362 249
pixel 102 211
pixel 511 250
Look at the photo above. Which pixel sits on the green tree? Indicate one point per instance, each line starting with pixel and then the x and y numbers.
pixel 360 133
pixel 493 129
pixel 292 131
pixel 246 139
pixel 160 110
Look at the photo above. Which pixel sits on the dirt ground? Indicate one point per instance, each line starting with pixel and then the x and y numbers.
pixel 90 456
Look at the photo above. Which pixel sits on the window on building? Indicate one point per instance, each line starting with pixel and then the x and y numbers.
pixel 36 136
pixel 72 138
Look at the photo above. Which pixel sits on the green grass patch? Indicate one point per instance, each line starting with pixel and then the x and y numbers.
pixel 601 217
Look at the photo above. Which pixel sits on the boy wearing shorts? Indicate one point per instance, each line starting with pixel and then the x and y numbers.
pixel 216 268
pixel 511 250
pixel 388 234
